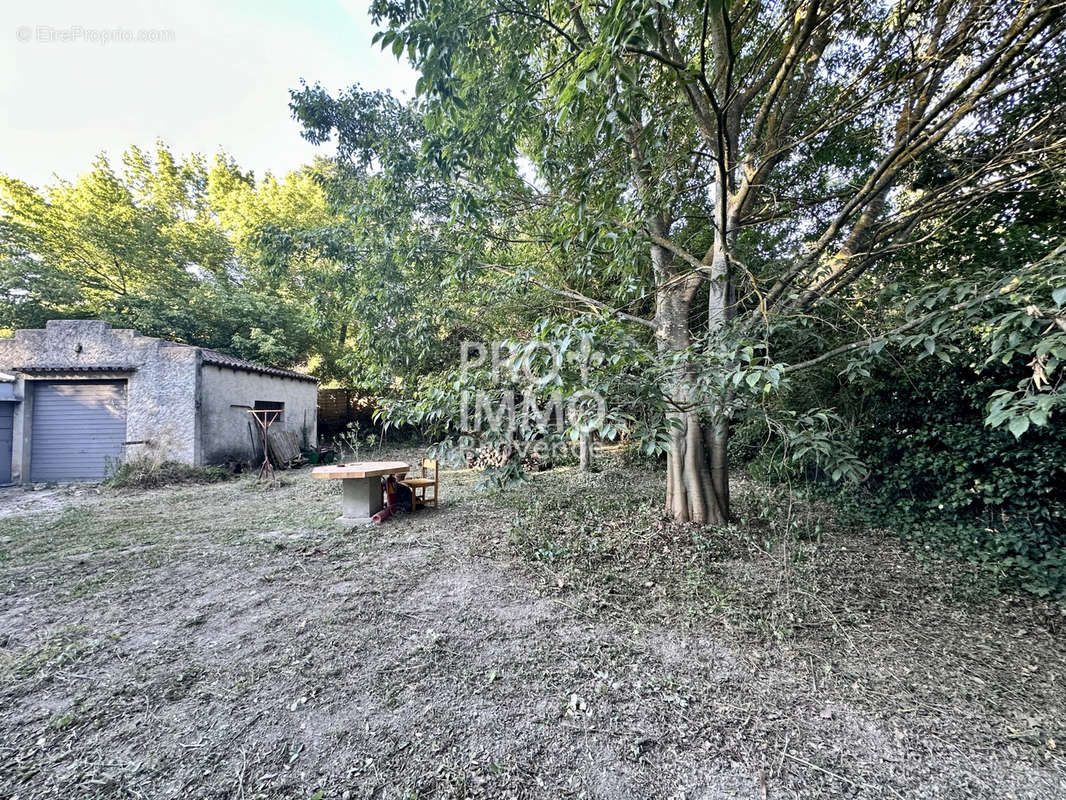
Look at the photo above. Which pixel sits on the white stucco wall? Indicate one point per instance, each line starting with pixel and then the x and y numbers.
pixel 226 396
pixel 162 384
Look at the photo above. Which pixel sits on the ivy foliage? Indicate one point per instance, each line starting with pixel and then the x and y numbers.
pixel 957 486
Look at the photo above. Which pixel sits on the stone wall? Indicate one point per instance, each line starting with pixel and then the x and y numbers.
pixel 228 394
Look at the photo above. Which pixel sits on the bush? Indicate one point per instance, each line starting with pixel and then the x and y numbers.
pixel 943 479
pixel 147 473
pixel 938 476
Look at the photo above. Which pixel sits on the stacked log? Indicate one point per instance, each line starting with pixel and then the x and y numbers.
pixel 497 456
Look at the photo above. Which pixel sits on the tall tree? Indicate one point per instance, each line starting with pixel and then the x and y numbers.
pixel 767 155
pixel 155 246
pixel 411 289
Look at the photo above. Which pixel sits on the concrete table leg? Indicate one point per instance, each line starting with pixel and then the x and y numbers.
pixel 361 500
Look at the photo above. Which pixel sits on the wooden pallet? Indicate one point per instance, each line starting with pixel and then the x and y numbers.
pixel 285 449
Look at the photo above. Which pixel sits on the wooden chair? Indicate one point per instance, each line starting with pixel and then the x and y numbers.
pixel 418 486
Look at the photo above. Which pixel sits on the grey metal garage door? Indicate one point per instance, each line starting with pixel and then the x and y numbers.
pixel 7 413
pixel 78 429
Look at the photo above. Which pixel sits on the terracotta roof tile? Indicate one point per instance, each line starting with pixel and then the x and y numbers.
pixel 218 359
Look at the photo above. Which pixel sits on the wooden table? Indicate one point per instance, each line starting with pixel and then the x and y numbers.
pixel 361 496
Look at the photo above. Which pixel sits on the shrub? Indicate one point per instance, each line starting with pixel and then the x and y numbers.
pixel 943 479
pixel 937 475
pixel 147 473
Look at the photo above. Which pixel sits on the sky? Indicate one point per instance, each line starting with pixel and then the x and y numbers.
pixel 79 78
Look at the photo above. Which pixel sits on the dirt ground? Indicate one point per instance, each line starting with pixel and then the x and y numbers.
pixel 554 641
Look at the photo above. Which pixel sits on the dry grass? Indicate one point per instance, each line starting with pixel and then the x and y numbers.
pixel 930 651
pixel 148 473
pixel 557 640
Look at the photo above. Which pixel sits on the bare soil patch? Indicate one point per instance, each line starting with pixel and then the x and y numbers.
pixel 17 500
pixel 553 641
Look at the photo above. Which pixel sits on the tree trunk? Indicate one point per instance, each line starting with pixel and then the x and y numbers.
pixel 691 493
pixel 714 434
pixel 691 496
pixel 584 452
pixel 716 444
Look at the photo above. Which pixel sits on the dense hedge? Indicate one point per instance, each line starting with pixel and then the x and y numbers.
pixel 938 475
pixel 942 478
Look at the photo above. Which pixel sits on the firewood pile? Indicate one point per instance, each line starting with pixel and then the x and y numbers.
pixel 498 455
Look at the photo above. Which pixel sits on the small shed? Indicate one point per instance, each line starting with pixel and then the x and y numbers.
pixel 79 397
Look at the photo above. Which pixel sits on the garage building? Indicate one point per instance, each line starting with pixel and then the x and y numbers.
pixel 79 397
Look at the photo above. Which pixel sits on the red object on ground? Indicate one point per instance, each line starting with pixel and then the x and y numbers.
pixel 390 500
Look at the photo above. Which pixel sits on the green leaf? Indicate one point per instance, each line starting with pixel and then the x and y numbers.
pixel 1018 426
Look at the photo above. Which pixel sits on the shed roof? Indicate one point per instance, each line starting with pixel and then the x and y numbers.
pixel 218 359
